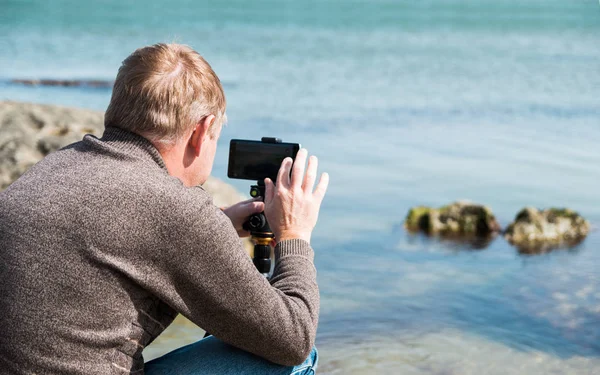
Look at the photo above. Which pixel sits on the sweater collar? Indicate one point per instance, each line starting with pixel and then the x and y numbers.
pixel 132 143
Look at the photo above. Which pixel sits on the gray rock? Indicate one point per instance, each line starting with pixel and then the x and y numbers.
pixel 28 132
pixel 536 231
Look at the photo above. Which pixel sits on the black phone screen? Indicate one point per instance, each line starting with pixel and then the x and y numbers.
pixel 256 160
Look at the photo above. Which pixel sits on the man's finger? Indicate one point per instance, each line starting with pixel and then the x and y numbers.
pixel 311 174
pixel 268 190
pixel 298 169
pixel 253 208
pixel 250 200
pixel 322 186
pixel 283 177
pixel 242 233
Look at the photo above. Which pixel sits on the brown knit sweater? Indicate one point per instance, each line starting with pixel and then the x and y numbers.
pixel 100 249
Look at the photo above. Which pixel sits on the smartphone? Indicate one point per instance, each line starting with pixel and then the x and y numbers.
pixel 257 160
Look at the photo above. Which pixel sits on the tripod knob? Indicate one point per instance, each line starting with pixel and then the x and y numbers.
pixel 255 191
pixel 256 223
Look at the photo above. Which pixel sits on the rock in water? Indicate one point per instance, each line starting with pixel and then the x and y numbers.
pixel 534 229
pixel 64 82
pixel 456 220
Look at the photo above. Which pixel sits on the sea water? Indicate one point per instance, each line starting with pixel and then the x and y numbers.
pixel 405 103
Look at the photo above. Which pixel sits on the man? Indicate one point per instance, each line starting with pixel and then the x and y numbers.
pixel 106 240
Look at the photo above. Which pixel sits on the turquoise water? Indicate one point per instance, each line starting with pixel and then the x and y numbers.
pixel 405 103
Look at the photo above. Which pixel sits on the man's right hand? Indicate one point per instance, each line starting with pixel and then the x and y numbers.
pixel 291 206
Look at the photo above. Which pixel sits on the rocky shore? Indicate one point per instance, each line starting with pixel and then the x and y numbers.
pixel 28 132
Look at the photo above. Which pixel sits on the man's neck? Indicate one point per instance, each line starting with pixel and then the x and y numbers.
pixel 173 156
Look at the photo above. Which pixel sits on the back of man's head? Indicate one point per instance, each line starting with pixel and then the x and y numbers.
pixel 163 91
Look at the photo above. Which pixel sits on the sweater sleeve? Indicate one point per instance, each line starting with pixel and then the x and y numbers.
pixel 202 271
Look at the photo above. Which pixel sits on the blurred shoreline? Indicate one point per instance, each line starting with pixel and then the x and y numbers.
pixel 29 131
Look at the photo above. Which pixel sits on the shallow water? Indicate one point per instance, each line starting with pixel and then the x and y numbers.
pixel 405 104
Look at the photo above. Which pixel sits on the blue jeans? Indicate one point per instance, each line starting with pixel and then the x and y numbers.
pixel 212 356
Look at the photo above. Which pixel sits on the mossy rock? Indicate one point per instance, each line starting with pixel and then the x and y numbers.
pixel 456 219
pixel 417 218
pixel 535 228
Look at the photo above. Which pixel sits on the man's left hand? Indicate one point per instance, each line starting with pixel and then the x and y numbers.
pixel 239 213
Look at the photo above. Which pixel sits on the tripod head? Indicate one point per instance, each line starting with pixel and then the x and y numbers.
pixel 261 233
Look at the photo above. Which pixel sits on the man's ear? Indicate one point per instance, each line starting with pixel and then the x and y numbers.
pixel 200 133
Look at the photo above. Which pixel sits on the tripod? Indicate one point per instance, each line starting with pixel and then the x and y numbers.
pixel 261 233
